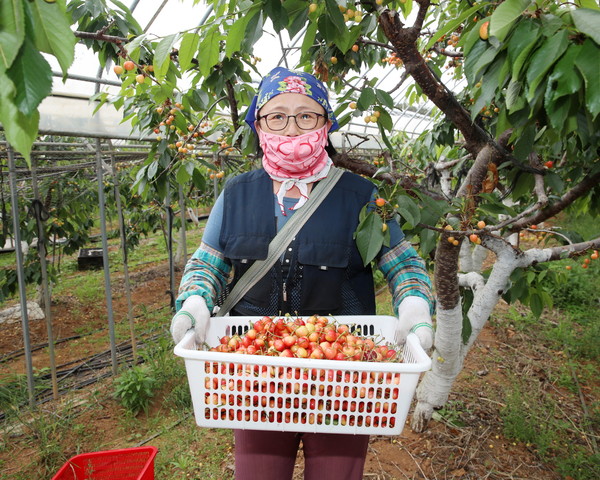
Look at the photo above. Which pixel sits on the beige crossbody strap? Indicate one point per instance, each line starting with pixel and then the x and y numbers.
pixel 283 238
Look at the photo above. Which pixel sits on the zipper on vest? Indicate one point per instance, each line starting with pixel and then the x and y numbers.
pixel 284 291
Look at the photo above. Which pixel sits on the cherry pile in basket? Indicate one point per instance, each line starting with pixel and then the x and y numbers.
pixel 317 337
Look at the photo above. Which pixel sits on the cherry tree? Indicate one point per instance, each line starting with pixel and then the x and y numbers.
pixel 511 149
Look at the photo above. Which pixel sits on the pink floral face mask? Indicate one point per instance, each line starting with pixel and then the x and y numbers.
pixel 294 157
pixel 295 161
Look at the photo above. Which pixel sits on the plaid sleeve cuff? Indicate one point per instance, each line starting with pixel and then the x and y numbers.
pixel 205 274
pixel 406 275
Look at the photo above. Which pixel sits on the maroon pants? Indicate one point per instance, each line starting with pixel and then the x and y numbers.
pixel 261 455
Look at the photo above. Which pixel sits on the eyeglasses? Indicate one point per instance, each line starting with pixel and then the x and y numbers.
pixel 278 121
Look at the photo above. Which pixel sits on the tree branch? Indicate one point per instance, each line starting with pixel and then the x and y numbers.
pixel 537 255
pixel 472 280
pixel 100 36
pixel 472 184
pixel 235 119
pixel 447 53
pixel 361 167
pixel 588 183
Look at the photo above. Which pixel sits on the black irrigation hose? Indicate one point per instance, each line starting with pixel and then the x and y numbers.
pixel 82 374
pixel 20 352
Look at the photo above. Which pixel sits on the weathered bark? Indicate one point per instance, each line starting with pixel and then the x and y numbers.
pixel 233 106
pixel 403 39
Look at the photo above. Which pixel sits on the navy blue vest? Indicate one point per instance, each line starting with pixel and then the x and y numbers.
pixel 321 271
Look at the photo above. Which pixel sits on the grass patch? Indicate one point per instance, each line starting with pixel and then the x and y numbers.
pixel 564 361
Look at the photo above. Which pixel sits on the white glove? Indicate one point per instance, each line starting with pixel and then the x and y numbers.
pixel 193 314
pixel 414 316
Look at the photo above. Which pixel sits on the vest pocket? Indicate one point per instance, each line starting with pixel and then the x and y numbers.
pixel 324 270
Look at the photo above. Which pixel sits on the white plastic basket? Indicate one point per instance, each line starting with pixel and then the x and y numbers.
pixel 258 392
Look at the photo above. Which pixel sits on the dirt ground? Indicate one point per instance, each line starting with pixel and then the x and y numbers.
pixel 475 450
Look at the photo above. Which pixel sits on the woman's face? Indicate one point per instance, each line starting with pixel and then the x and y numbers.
pixel 291 104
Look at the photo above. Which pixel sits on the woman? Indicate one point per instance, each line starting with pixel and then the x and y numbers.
pixel 321 271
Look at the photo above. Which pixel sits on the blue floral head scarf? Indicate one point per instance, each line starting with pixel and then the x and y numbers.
pixel 281 80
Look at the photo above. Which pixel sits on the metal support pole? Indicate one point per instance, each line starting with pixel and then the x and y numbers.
pixel 12 176
pixel 215 179
pixel 107 289
pixel 123 236
pixel 182 236
pixel 41 247
pixel 169 212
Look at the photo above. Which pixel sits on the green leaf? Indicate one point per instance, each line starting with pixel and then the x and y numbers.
pixel 133 47
pixel 428 239
pixel 385 120
pixel 472 61
pixel 366 100
pixel 587 21
pixel 297 14
pixel 467 329
pixel 588 63
pixel 514 99
pixel 187 49
pixel 384 137
pixel 52 31
pixel 198 180
pixel 162 56
pixel 20 129
pixel 555 182
pixel 452 25
pixel 369 237
pixel 335 16
pixel 152 169
pixel 504 16
pixel 547 299
pixel 183 176
pixel 209 51
pixel 524 144
pixel 254 31
pixel 551 24
pixel 12 31
pixel 198 99
pixel 345 40
pixel 520 44
pixel 432 210
pixel 327 29
pixel 408 209
pixel 32 76
pixel 543 59
pixel 309 37
pixel 588 4
pixel 536 304
pixel 236 33
pixel 523 186
pixel 565 79
pixel 384 98
pixel 485 59
pixel 276 13
pixel 489 84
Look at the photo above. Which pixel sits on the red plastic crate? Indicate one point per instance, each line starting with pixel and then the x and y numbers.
pixel 125 464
